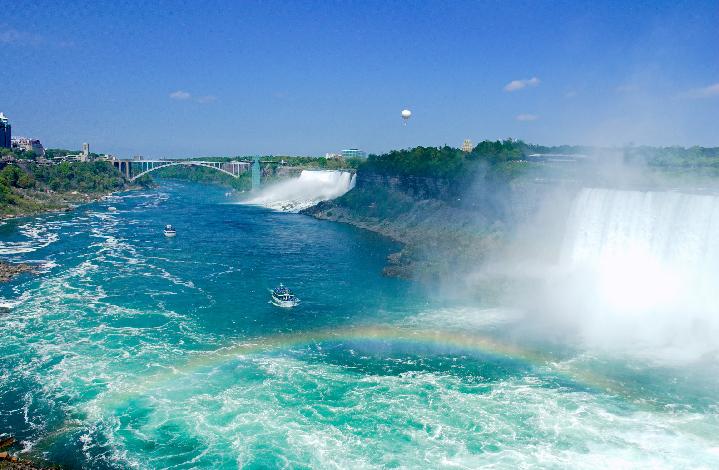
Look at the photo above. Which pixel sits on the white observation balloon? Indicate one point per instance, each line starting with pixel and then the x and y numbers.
pixel 406 114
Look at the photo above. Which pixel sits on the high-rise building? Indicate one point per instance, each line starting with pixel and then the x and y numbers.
pixel 467 146
pixel 5 132
pixel 349 153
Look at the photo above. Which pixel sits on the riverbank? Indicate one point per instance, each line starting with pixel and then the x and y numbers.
pixel 440 235
pixel 9 461
pixel 27 188
pixel 13 463
pixel 38 202
pixel 46 203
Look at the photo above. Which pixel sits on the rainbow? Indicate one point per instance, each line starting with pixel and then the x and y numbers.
pixel 444 339
pixel 107 403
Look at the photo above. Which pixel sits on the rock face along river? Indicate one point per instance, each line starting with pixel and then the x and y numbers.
pixel 132 350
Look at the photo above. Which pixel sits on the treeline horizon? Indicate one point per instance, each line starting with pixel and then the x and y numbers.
pixel 509 149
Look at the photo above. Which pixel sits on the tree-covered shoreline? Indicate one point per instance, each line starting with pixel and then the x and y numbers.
pixel 452 163
pixel 27 187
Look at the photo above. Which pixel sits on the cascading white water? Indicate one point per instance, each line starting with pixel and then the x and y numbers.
pixel 311 187
pixel 644 267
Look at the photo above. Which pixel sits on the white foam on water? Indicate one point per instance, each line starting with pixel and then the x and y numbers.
pixel 311 187
pixel 65 337
pixel 38 235
pixel 324 416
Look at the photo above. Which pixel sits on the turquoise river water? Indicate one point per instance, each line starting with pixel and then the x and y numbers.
pixel 131 350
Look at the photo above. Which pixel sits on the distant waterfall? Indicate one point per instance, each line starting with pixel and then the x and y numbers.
pixel 644 266
pixel 311 187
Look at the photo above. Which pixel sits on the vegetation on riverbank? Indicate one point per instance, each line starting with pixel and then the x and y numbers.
pixel 510 157
pixel 27 187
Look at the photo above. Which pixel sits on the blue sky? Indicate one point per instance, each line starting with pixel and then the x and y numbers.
pixel 188 78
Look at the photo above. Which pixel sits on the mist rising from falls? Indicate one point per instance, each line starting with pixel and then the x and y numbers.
pixel 642 269
pixel 311 187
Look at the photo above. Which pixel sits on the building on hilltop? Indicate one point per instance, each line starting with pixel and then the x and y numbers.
pixel 350 153
pixel 467 146
pixel 5 132
pixel 28 145
pixel 83 156
pixel 67 158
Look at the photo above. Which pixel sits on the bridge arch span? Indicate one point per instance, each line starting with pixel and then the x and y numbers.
pixel 149 167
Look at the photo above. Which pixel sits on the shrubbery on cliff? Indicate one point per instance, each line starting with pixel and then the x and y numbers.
pixel 449 163
pixel 86 177
pixel 507 158
pixel 23 186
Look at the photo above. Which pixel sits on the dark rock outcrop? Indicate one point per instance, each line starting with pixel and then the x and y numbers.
pixel 10 270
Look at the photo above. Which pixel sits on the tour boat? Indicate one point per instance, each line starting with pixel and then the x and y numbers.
pixel 169 231
pixel 283 297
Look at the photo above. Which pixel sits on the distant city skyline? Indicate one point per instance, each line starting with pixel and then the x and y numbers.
pixel 307 78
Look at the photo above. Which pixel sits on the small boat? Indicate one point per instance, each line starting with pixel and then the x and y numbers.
pixel 169 231
pixel 112 209
pixel 283 297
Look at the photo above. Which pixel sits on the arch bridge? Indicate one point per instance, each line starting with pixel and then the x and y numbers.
pixel 134 169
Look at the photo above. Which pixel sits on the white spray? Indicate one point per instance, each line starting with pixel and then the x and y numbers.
pixel 300 193
pixel 641 270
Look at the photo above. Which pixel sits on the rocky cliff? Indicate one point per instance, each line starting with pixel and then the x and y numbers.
pixel 445 230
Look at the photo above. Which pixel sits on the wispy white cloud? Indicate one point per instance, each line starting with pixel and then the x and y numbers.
pixel 710 91
pixel 527 117
pixel 180 95
pixel 10 35
pixel 515 85
pixel 206 99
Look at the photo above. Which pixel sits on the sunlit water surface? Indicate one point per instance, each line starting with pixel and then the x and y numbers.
pixel 131 350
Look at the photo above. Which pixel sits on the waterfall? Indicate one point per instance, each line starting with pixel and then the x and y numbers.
pixel 676 229
pixel 311 187
pixel 644 267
